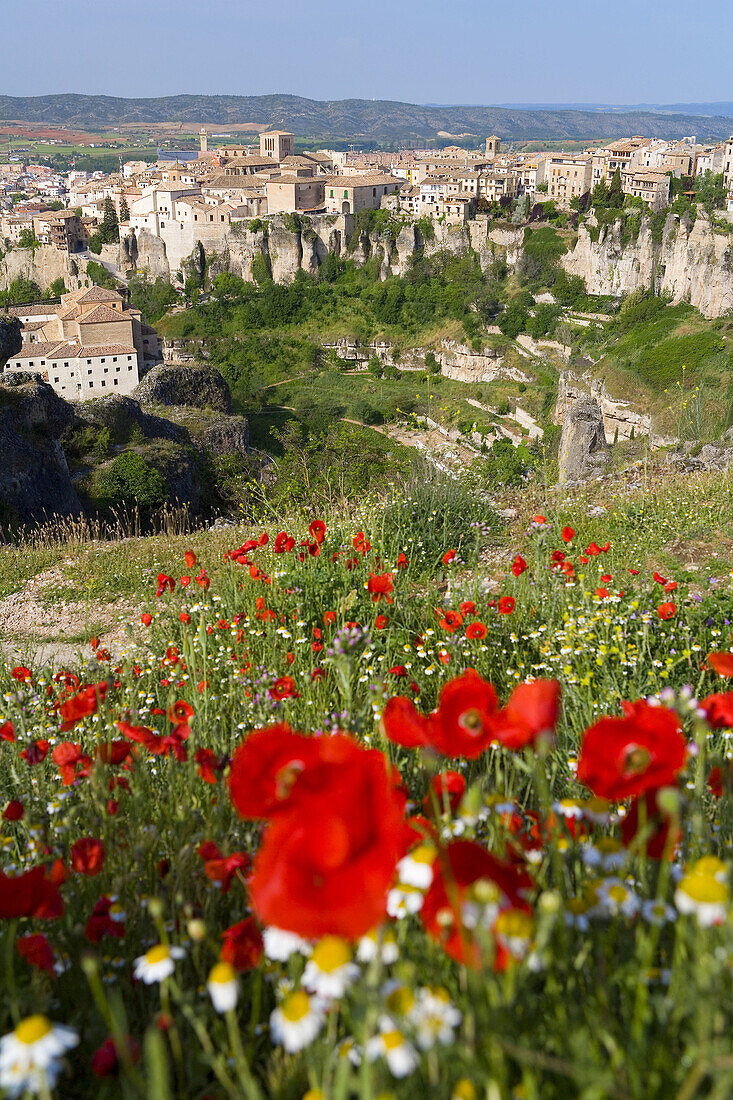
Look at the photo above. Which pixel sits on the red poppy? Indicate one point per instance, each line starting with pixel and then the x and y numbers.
pixel 37 951
pixel 380 622
pixel 242 947
pixel 667 610
pixel 101 924
pixel 451 621
pixel 402 562
pixel 567 534
pixel 722 663
pixel 209 765
pixel 379 585
pixel 531 712
pixel 66 756
pixel 223 869
pixel 81 705
pixel 718 780
pixel 180 712
pixel 448 557
pixel 35 752
pixel 266 767
pixel 518 565
pixel 165 583
pixel 718 710
pixel 87 856
pixel 506 605
pixel 602 593
pixel 317 530
pixel 327 861
pixel 146 618
pixel 663 831
pixel 21 674
pixel 106 1059
pixel 443 914
pixel 7 731
pixel 13 811
pixel 624 757
pixel 284 688
pixel 461 726
pixel 445 787
pixel 361 544
pixel 476 631
pixel 283 543
pixel 190 559
pixel 31 894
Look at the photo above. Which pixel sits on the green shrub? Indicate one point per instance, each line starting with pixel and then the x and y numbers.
pixel 130 478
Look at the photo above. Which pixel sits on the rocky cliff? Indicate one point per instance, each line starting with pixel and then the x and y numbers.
pixel 42 265
pixel 692 263
pixel 288 247
pixel 35 483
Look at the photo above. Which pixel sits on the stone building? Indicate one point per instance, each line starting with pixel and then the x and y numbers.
pixel 567 177
pixel 647 184
pixel 350 194
pixel 89 345
pixel 277 144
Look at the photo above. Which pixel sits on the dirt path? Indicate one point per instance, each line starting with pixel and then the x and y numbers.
pixel 36 631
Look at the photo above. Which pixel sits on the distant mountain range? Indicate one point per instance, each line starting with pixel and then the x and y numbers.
pixel 381 122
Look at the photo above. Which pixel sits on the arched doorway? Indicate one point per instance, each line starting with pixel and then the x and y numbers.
pixel 345 207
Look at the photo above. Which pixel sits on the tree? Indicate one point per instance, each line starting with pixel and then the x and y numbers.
pixel 27 238
pixel 57 288
pixel 124 210
pixel 616 192
pixel 109 230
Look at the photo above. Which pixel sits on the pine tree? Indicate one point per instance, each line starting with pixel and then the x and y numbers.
pixel 124 210
pixel 109 229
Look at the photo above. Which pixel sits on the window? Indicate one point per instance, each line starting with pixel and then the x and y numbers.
pixel 56 380
pixel 91 385
pixel 114 358
pixel 66 365
pixel 103 383
pixel 89 363
pixel 117 381
pixel 102 360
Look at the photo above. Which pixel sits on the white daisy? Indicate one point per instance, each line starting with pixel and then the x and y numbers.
pixel 382 941
pixel 390 1044
pixel 704 892
pixel 434 1017
pixel 297 1021
pixel 223 987
pixel 416 868
pixel 280 945
pixel 157 964
pixel 29 1055
pixel 330 970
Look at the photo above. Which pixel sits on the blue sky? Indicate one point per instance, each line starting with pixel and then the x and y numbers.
pixel 437 51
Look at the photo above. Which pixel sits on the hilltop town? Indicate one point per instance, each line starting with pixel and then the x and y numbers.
pixel 152 217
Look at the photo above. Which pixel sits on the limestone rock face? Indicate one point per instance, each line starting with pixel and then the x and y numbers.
pixel 35 483
pixel 200 387
pixel 583 447
pixel 689 262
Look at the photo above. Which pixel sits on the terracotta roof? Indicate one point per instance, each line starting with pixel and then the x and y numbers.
pixel 46 309
pixel 368 179
pixel 98 294
pixel 40 350
pixel 102 314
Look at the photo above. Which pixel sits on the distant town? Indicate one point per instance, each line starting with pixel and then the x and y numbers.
pixel 93 342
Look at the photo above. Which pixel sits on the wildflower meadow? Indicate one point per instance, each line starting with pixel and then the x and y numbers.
pixel 354 815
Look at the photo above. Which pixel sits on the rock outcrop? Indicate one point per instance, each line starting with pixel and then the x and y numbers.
pixel 691 263
pixel 11 338
pixel 583 447
pixel 198 387
pixel 35 483
pixel 124 418
pixel 620 421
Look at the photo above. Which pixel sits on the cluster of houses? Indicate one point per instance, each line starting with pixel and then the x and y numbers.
pixel 192 192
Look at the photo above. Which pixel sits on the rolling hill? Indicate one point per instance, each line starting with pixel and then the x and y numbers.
pixel 382 122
